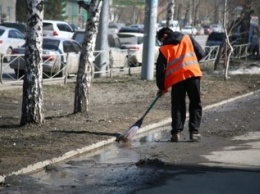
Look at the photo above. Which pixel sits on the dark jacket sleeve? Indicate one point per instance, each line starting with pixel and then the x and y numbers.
pixel 160 71
pixel 200 53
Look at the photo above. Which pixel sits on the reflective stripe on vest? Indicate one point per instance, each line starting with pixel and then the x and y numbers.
pixel 171 64
pixel 182 62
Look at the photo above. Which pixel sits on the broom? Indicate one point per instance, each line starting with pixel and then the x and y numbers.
pixel 130 132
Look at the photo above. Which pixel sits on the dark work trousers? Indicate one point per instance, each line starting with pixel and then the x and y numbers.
pixel 190 87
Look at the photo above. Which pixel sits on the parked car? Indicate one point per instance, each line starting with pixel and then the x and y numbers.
pixel 207 29
pixel 19 26
pixel 55 51
pixel 215 39
pixel 189 30
pixel 113 39
pixel 140 26
pixel 134 42
pixel 217 28
pixel 10 38
pixel 57 28
pixel 131 29
pixel 118 52
pixel 113 28
pixel 174 25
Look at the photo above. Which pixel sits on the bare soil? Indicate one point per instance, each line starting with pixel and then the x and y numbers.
pixel 115 104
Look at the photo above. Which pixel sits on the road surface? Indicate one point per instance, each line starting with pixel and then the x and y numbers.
pixel 226 160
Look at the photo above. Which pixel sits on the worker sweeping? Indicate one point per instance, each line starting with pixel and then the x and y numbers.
pixel 178 68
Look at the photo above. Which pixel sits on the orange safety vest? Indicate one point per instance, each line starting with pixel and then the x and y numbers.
pixel 182 62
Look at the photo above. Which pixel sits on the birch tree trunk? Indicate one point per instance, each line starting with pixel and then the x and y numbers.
pixel 32 86
pixel 170 13
pixel 229 48
pixel 85 72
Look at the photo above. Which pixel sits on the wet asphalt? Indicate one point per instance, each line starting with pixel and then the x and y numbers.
pixel 226 160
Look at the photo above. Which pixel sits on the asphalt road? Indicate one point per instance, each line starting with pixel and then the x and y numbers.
pixel 226 160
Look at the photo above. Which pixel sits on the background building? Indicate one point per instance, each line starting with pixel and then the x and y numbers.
pixel 75 15
pixel 7 10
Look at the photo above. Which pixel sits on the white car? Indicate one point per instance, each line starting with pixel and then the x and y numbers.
pixel 174 25
pixel 217 28
pixel 134 42
pixel 10 38
pixel 118 54
pixel 56 28
pixel 189 30
pixel 56 53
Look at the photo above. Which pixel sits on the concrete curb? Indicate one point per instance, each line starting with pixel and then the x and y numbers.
pixel 40 165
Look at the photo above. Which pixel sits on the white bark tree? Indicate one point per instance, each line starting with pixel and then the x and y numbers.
pixel 32 86
pixel 229 48
pixel 85 72
pixel 170 13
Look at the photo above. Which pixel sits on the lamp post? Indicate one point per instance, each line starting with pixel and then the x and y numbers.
pixel 149 39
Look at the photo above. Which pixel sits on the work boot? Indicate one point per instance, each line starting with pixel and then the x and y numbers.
pixel 195 136
pixel 176 137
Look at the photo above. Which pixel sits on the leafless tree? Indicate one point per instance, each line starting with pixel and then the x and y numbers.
pixel 228 48
pixel 32 103
pixel 85 72
pixel 170 13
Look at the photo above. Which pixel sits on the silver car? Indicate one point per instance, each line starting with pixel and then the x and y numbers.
pixel 57 53
pixel 10 38
pixel 118 53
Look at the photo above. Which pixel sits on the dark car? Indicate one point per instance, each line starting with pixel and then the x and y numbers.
pixel 216 39
pixel 19 26
pixel 131 29
pixel 207 29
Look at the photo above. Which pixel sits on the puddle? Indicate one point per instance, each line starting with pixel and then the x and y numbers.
pixel 242 154
pixel 249 136
pixel 117 153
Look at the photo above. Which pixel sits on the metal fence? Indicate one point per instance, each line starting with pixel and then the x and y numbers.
pixel 116 62
pixel 66 66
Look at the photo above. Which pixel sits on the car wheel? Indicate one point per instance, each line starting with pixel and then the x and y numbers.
pixel 8 52
pixel 18 73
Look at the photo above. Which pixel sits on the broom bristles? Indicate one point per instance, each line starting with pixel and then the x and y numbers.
pixel 130 132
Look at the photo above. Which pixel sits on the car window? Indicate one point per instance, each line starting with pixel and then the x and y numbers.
pixel 64 27
pixel 129 29
pixel 1 32
pixel 15 34
pixel 76 46
pixel 51 44
pixel 48 26
pixel 130 39
pixel 140 40
pixel 113 41
pixel 117 43
pixel 68 47
pixel 20 27
pixel 79 37
pixel 19 34
pixel 113 26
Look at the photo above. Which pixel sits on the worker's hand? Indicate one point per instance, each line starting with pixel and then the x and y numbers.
pixel 160 92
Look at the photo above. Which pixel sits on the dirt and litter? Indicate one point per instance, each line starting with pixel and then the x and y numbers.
pixel 115 103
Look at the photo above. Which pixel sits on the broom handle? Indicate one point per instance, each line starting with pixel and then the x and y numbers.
pixel 151 106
